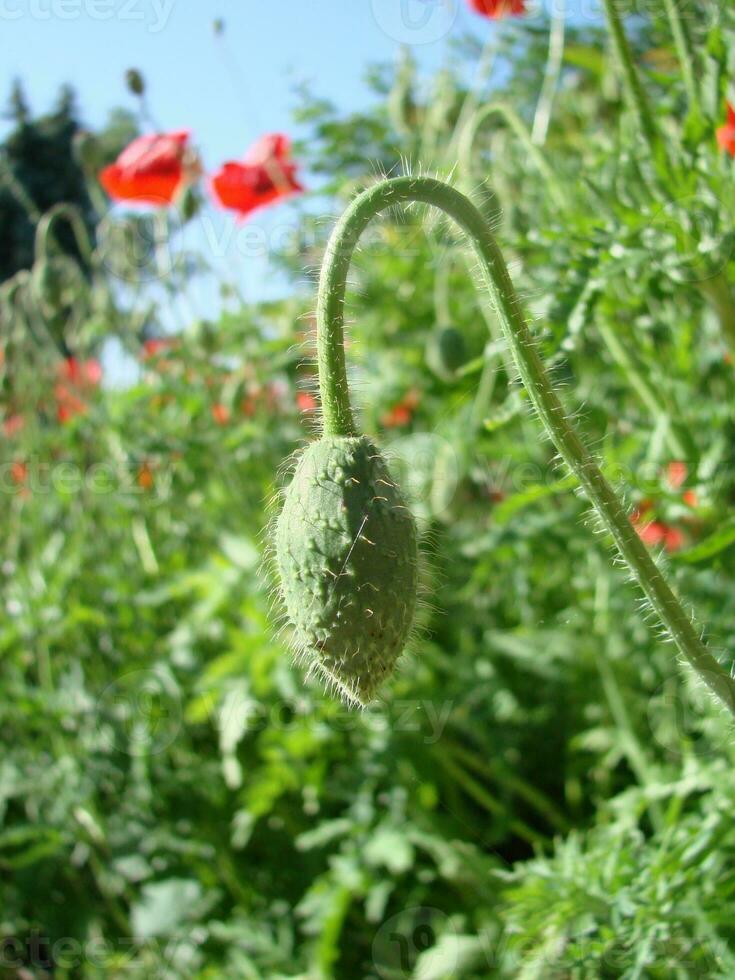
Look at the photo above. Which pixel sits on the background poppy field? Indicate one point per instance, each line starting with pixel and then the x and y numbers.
pixel 543 790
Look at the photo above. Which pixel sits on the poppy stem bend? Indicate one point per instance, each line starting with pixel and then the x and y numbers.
pixel 472 128
pixel 73 216
pixel 338 419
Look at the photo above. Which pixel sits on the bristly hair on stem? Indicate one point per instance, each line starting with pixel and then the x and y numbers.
pixel 338 420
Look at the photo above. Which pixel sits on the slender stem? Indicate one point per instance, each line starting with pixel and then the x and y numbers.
pixel 634 91
pixel 718 292
pixel 337 414
pixel 554 60
pixel 17 189
pixel 469 135
pixel 684 53
pixel 630 743
pixel 679 441
pixel 73 216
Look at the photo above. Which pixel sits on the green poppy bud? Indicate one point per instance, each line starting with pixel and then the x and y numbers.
pixel 446 352
pixel 135 81
pixel 347 553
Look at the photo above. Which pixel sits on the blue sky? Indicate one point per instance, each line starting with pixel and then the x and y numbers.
pixel 227 102
pixel 227 98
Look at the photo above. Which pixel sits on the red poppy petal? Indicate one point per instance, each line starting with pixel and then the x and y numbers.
pixel 271 146
pixel 154 150
pixel 498 8
pixel 151 188
pixel 243 188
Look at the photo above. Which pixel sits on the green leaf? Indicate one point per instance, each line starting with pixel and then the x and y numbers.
pixel 721 539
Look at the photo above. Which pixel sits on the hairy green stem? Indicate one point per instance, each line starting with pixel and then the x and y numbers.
pixel 337 413
pixel 634 92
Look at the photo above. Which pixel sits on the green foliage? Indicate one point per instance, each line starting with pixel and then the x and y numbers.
pixel 539 792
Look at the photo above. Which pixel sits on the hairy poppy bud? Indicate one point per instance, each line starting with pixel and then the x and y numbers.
pixel 135 81
pixel 347 554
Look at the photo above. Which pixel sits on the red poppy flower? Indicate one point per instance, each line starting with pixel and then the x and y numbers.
pixel 265 174
pixel 305 401
pixel 656 533
pixel 19 472
pixel 402 412
pixel 12 425
pixel 154 346
pixel 81 374
pixel 220 413
pixel 75 377
pixel 494 9
pixel 145 477
pixel 676 473
pixel 151 169
pixel 726 132
pixel 690 498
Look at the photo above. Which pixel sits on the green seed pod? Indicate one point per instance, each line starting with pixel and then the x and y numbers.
pixel 446 352
pixel 86 150
pixel 135 81
pixel 347 553
pixel 189 203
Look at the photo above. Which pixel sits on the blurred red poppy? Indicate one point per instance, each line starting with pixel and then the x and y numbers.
pixel 75 378
pixel 152 169
pixel 305 401
pixel 155 346
pixel 12 425
pixel 402 412
pixel 220 413
pixel 690 498
pixel 498 8
pixel 676 473
pixel 656 533
pixel 81 373
pixel 145 477
pixel 265 174
pixel 19 472
pixel 726 132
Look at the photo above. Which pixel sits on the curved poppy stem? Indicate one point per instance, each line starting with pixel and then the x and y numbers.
pixel 337 413
pixel 72 214
pixel 469 135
